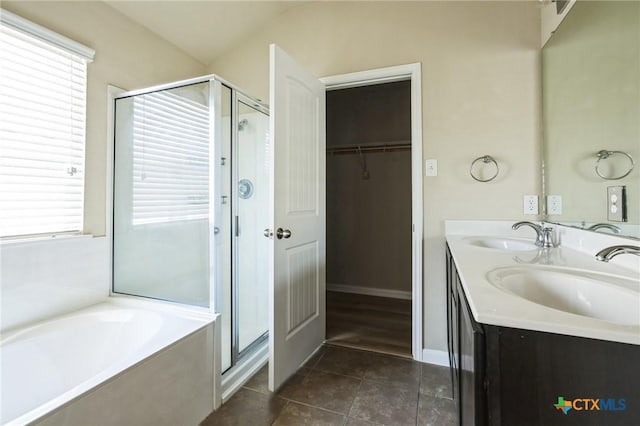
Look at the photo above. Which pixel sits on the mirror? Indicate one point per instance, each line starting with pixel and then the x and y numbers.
pixel 591 103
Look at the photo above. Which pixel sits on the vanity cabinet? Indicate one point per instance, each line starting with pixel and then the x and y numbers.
pixel 508 376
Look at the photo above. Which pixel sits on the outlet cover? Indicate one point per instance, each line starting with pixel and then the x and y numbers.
pixel 530 204
pixel 554 204
pixel 617 203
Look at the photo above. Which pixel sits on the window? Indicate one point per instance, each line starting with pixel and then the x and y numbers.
pixel 170 156
pixel 43 79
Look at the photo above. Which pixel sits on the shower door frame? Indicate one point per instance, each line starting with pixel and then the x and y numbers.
pixel 215 193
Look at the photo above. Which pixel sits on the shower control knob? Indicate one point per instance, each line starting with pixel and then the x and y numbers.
pixel 268 233
pixel 283 233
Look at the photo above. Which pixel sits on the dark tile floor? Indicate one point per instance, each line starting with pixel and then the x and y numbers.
pixel 342 386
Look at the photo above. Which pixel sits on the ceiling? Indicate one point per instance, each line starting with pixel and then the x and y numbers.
pixel 203 29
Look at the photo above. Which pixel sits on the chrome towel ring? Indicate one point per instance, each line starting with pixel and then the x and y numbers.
pixel 486 159
pixel 604 154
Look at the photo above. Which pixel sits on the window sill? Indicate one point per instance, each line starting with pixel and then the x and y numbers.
pixel 36 239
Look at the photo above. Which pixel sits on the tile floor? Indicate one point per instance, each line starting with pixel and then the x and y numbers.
pixel 342 386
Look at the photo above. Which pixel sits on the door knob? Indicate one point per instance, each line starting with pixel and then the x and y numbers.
pixel 283 233
pixel 268 233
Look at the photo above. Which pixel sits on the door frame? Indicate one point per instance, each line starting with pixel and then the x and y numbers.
pixel 412 72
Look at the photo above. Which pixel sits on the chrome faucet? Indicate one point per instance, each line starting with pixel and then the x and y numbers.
pixel 543 234
pixel 610 227
pixel 609 253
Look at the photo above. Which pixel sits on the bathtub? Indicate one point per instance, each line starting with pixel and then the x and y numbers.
pixel 122 362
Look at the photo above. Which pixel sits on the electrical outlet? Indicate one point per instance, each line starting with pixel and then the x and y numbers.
pixel 530 204
pixel 554 204
pixel 431 167
pixel 617 203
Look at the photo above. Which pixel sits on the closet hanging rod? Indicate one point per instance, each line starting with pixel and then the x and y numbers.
pixel 354 149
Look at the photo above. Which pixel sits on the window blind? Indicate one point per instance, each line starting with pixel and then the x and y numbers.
pixel 42 132
pixel 170 158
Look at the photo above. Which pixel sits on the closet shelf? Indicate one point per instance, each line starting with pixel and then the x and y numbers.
pixel 378 147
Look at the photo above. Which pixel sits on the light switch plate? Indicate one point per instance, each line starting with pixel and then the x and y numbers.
pixel 617 203
pixel 431 167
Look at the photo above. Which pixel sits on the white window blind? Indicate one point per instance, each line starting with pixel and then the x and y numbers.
pixel 170 158
pixel 42 130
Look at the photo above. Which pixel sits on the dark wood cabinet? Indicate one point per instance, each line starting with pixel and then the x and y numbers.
pixel 507 376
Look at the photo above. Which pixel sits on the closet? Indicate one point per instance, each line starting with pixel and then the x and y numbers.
pixel 369 217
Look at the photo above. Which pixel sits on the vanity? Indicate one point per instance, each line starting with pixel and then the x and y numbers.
pixel 541 336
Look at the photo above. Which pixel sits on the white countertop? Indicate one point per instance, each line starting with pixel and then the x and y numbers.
pixel 493 306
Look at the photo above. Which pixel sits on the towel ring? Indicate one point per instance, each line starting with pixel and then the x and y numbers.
pixel 604 154
pixel 486 159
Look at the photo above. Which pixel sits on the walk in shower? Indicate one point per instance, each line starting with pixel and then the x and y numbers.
pixel 190 204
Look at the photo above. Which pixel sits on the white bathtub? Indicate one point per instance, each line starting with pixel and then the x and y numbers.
pixel 121 362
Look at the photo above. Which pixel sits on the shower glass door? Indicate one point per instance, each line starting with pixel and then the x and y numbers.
pixel 161 195
pixel 251 247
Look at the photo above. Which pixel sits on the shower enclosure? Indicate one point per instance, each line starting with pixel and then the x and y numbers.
pixel 190 200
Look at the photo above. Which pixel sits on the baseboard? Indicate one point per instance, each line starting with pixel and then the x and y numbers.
pixel 370 291
pixel 435 357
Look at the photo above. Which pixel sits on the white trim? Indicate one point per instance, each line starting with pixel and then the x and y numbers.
pixel 370 291
pixel 411 72
pixel 431 356
pixel 112 93
pixel 241 373
pixel 27 27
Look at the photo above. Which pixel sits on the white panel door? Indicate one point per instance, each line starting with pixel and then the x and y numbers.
pixel 297 281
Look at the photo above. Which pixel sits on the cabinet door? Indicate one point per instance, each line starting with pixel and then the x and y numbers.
pixel 452 328
pixel 471 366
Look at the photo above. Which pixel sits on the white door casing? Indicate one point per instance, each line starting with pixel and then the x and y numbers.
pixel 297 184
pixel 411 72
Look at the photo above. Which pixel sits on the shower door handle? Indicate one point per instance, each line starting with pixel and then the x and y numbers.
pixel 283 233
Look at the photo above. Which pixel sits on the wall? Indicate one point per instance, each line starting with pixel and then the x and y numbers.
pixel 369 223
pixel 127 56
pixel 44 278
pixel 369 220
pixel 481 95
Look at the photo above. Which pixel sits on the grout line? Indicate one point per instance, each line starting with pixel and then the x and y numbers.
pixel 418 407
pixel 306 404
pixel 354 398
pixel 280 413
pixel 419 394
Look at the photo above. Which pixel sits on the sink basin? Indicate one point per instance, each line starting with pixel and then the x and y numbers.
pixel 609 298
pixel 497 243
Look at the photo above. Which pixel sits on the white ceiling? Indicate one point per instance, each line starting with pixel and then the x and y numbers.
pixel 203 29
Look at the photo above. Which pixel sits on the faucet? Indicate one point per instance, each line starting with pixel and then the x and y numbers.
pixel 610 227
pixel 543 234
pixel 609 253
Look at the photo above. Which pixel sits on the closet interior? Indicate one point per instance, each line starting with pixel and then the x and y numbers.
pixel 369 217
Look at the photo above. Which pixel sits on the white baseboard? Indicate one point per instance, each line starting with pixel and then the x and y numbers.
pixel 370 291
pixel 435 357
